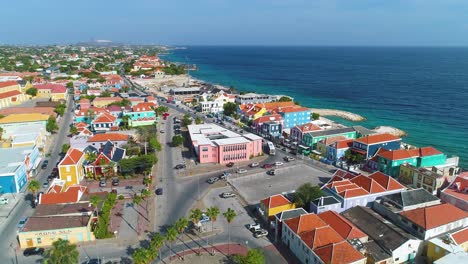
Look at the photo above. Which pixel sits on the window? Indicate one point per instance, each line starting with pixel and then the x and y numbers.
pixel 69 179
pixel 39 240
pixel 68 168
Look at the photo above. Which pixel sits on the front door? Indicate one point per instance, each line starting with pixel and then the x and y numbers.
pixel 29 242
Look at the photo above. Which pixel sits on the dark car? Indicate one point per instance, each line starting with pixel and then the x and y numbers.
pixel 44 164
pixel 180 166
pixel 159 191
pixel 33 251
pixel 230 164
pixel 115 182
pixel 267 166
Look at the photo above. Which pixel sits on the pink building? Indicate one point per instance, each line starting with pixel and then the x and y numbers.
pixel 216 144
pixel 457 192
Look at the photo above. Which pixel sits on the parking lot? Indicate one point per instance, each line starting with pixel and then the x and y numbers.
pixel 257 186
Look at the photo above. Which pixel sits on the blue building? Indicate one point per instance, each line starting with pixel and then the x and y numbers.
pixel 16 166
pixel 142 114
pixel 295 116
pixel 369 145
pixel 272 130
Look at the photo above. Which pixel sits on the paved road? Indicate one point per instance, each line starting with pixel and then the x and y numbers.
pixel 8 234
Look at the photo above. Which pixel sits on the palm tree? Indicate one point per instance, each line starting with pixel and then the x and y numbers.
pixel 195 215
pixel 33 187
pixel 171 235
pixel 95 200
pixel 229 215
pixel 181 225
pixel 141 256
pixel 62 252
pixel 212 213
pixel 156 243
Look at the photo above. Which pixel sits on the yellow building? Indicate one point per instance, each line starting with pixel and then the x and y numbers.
pixel 273 205
pixel 52 91
pixel 460 238
pixel 105 101
pixel 11 94
pixel 22 122
pixel 42 231
pixel 439 247
pixel 71 167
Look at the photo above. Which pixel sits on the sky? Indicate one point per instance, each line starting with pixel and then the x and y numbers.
pixel 237 22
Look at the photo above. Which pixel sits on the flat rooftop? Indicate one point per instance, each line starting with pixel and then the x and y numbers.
pixel 54 223
pixel 12 158
pixel 214 135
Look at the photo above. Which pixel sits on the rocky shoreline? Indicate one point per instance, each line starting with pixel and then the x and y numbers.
pixel 339 113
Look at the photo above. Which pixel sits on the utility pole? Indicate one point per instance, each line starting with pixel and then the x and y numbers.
pixel 145 148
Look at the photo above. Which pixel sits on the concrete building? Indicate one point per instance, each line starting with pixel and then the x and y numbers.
pixel 23 122
pixel 273 205
pixel 298 131
pixel 429 179
pixel 213 143
pixel 283 216
pixel 369 145
pixel 310 139
pixel 17 166
pixel 253 98
pixel 184 91
pixel 456 193
pixel 52 91
pixel 142 114
pixel 439 247
pixel 81 142
pixel 11 94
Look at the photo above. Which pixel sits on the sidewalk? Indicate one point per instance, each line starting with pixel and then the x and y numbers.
pixel 222 249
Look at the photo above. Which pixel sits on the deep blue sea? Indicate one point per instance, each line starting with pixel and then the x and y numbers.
pixel 423 91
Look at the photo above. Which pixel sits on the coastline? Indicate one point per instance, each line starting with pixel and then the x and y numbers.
pixel 339 113
pixel 391 130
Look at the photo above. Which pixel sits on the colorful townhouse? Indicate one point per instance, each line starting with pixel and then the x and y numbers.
pixel 102 102
pixel 273 205
pixel 353 190
pixel 269 126
pixel 81 142
pixel 283 216
pixel 215 144
pixel 84 103
pixel 336 151
pixel 71 167
pixel 142 114
pixel 294 115
pixel 298 131
pixel 313 240
pixel 254 111
pixel 118 111
pixel 17 166
pixel 429 179
pixel 369 145
pixel 86 115
pixel 310 139
pixel 107 160
pixel 439 247
pixel 387 243
pixel 457 192
pixel 389 161
pixel 10 94
pixel 105 122
pixel 52 91
pixel 323 145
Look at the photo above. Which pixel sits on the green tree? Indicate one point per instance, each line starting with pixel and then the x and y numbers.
pixel 51 125
pixel 229 215
pixel 141 256
pixel 187 120
pixel 285 99
pixel 60 109
pixel 181 225
pixel 69 84
pixel 195 215
pixel 105 94
pixel 198 120
pixel 212 213
pixel 73 130
pixel 161 110
pixel 33 187
pixel 61 252
pixel 171 236
pixel 305 194
pixel 315 116
pixel 95 200
pixel 229 108
pixel 154 144
pixel 31 91
pixel 177 140
pixel 254 256
pixel 1 132
pixel 65 148
pixel 157 241
pixel 137 199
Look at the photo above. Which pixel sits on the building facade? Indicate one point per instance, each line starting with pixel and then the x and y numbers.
pixel 310 139
pixel 369 145
pixel 71 167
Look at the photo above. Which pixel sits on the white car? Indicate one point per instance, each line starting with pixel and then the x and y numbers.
pixel 279 163
pixel 260 233
pixel 254 227
pixel 227 195
pixel 255 164
pixel 240 171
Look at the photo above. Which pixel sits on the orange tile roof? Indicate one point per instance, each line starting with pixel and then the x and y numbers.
pixel 345 228
pixel 72 157
pixel 457 187
pixel 320 236
pixel 368 184
pixel 71 196
pixel 9 94
pixel 377 138
pixel 275 201
pixel 398 154
pixel 305 223
pixel 105 118
pixel 345 187
pixel 344 143
pixel 386 181
pixel 428 151
pixel 308 127
pixel 292 109
pixel 143 107
pixel 434 216
pixel 266 118
pixel 344 174
pixel 340 253
pixel 8 83
pixel 331 140
pixel 27 110
pixel 460 237
pixel 104 99
pixel 272 105
pixel 81 125
pixel 350 193
pixel 108 136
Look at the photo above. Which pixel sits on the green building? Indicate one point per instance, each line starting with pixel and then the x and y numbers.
pixel 310 139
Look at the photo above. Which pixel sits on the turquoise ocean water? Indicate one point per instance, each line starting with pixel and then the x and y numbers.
pixel 423 91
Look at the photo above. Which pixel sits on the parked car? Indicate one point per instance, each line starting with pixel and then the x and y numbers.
pixel 159 191
pixel 213 180
pixel 102 183
pixel 279 163
pixel 253 165
pixel 33 251
pixel 267 166
pixel 45 184
pixel 224 175
pixel 204 218
pixel 260 233
pixel 271 172
pixel 241 171
pixel 254 227
pixel 44 164
pixel 230 164
pixel 3 200
pixel 22 222
pixel 115 182
pixel 162 131
pixel 288 159
pixel 228 195
pixel 180 166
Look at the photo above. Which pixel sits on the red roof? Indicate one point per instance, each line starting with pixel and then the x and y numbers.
pixel 292 109
pixel 144 107
pixel 8 83
pixel 344 143
pixel 460 237
pixel 266 118
pixel 368 184
pixel 353 193
pixel 331 140
pixel 308 127
pixel 320 237
pixel 408 153
pixel 429 151
pixel 386 181
pixel 434 216
pixel 345 228
pixel 108 136
pixel 341 252
pixel 72 157
pixel 9 94
pixel 458 186
pixel 53 87
pixel 105 118
pixel 275 201
pixel 377 138
pixel 305 223
pixel 71 195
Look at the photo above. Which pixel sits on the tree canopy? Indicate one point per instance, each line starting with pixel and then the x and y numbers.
pixel 51 125
pixel 305 194
pixel 229 108
pixel 254 256
pixel 285 99
pixel 177 140
pixel 174 69
pixel 61 252
pixel 315 116
pixel 31 91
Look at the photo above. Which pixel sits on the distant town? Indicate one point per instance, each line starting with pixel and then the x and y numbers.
pixel 112 154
